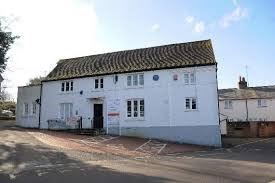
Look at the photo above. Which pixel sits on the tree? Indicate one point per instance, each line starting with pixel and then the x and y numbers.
pixel 4 95
pixel 6 40
pixel 36 80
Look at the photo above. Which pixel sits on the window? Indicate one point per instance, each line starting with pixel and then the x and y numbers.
pixel 262 103
pixel 135 108
pixel 26 109
pixel 129 80
pixel 67 86
pixel 189 78
pixel 63 87
pixel 228 104
pixel 135 80
pixel 66 110
pixel 99 83
pixel 191 104
pixel 33 108
pixel 72 86
pixel 186 78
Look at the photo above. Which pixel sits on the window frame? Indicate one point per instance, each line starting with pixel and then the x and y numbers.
pixel 139 109
pixel 261 103
pixel 191 99
pixel 189 78
pixel 99 82
pixel 25 106
pixel 137 78
pixel 67 86
pixel 62 106
pixel 34 108
pixel 228 104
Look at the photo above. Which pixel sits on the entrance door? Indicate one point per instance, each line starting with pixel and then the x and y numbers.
pixel 98 115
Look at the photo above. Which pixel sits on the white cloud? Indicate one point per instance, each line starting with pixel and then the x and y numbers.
pixel 155 27
pixel 199 27
pixel 50 30
pixel 236 15
pixel 189 19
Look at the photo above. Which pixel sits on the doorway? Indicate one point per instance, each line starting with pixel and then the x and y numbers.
pixel 98 116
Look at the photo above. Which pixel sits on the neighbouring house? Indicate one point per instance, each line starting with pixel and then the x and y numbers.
pixel 247 111
pixel 166 92
pixel 28 106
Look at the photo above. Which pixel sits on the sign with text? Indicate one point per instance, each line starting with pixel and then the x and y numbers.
pixel 113 112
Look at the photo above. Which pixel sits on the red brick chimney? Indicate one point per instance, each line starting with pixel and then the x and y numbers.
pixel 242 84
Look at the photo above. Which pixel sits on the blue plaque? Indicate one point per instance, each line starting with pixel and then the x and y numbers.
pixel 156 77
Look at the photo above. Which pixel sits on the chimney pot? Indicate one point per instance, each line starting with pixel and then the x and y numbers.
pixel 242 84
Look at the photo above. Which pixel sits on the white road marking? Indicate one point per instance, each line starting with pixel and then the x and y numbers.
pixel 213 154
pixel 12 176
pixel 110 139
pixel 252 142
pixel 62 171
pixel 142 145
pixel 41 173
pixel 273 181
pixel 161 148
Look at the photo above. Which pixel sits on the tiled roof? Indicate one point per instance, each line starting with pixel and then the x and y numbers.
pixel 259 92
pixel 160 57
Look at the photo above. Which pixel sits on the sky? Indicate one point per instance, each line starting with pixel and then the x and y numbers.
pixel 242 33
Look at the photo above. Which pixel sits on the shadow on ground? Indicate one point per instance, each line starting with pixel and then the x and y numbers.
pixel 21 162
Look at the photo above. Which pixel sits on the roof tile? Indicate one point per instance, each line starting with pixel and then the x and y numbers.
pixel 153 58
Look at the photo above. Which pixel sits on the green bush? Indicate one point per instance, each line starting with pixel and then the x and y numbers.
pixel 7 105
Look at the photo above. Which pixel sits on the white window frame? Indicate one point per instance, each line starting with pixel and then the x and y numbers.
pixel 62 107
pixel 67 84
pixel 100 83
pixel 139 111
pixel 34 108
pixel 25 109
pixel 191 99
pixel 228 104
pixel 138 76
pixel 262 103
pixel 189 78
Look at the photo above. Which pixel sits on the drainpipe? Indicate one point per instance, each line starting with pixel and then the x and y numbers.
pixel 219 118
pixel 246 106
pixel 40 104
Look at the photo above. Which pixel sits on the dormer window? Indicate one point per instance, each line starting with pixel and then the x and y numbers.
pixel 67 86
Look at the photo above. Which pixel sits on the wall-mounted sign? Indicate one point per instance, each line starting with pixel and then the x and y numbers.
pixel 113 112
pixel 156 77
pixel 175 77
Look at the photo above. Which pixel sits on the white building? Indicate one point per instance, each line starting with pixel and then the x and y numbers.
pixel 166 92
pixel 27 107
pixel 246 104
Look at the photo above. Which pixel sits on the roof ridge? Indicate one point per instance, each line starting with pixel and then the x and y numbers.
pixel 248 87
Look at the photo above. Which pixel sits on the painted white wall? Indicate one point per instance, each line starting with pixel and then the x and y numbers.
pixel 255 113
pixel 164 99
pixel 27 94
